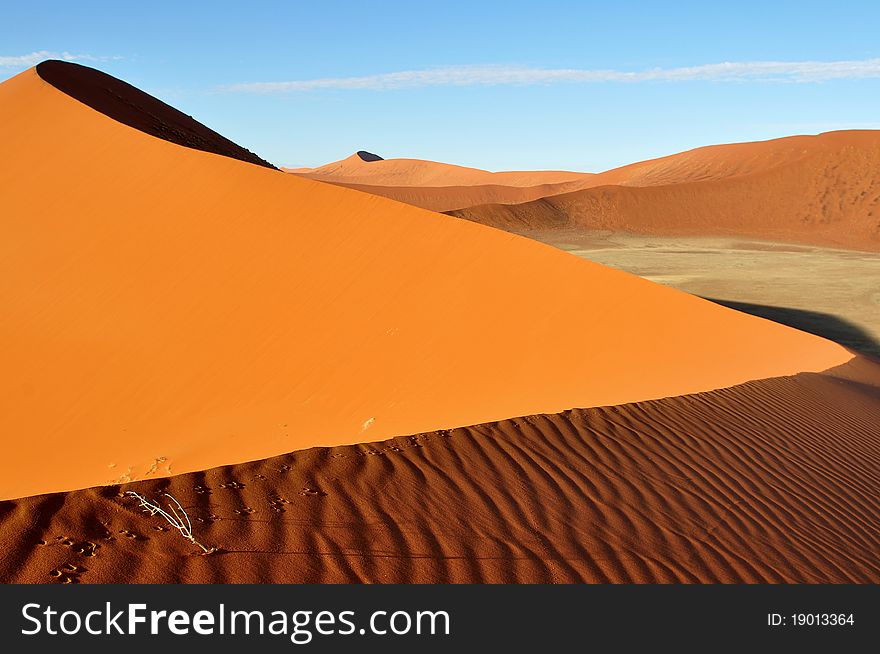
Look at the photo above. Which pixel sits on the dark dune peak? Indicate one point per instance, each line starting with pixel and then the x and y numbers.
pixel 131 106
pixel 368 156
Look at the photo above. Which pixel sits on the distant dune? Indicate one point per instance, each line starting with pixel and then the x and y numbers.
pixel 367 168
pixel 822 190
pixel 439 186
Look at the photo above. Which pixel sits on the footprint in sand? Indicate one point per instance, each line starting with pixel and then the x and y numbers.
pixel 86 548
pixel 67 573
pixel 277 503
pixel 132 535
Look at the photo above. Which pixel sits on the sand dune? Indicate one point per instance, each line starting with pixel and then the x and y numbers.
pixel 131 106
pixel 771 481
pixel 822 190
pixel 451 198
pixel 170 310
pixel 367 168
pixel 439 186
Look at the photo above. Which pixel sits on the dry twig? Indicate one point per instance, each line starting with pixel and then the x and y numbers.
pixel 175 515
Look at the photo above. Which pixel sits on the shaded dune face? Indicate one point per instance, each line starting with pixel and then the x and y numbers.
pixel 168 310
pixel 131 106
pixel 767 482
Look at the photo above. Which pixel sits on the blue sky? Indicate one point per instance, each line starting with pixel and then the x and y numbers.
pixel 506 85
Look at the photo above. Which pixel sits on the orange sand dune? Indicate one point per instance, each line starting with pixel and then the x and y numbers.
pixel 451 198
pixel 714 162
pixel 772 481
pixel 822 190
pixel 367 168
pixel 168 310
pixel 825 191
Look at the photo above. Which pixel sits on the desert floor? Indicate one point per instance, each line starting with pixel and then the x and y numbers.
pixel 828 292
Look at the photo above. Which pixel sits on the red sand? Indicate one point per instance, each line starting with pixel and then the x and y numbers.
pixel 821 190
pixel 417 172
pixel 772 481
pixel 442 187
pixel 170 310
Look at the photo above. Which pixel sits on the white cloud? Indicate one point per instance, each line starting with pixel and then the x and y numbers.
pixel 778 71
pixel 33 58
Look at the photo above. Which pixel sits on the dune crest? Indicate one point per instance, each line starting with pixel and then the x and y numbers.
pixel 129 105
pixel 768 482
pixel 169 310
pixel 419 172
pixel 821 190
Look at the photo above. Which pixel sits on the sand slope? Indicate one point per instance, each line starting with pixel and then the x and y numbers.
pixel 822 190
pixel 169 310
pixel 772 481
pixel 439 186
pixel 131 106
pixel 367 168
pixel 451 198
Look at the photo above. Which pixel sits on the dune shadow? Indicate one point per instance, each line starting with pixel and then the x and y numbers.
pixel 826 325
pixel 130 106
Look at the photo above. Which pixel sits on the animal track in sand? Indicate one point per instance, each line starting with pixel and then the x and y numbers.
pixel 244 511
pixel 233 485
pixel 203 490
pixel 131 535
pixel 67 573
pixel 86 548
pixel 312 492
pixel 277 503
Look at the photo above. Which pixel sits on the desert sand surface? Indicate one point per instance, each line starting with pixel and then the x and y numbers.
pixel 829 292
pixel 439 186
pixel 771 481
pixel 172 310
pixel 820 190
pixel 452 198
pixel 368 168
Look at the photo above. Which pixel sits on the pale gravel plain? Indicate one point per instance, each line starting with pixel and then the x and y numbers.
pixel 833 293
